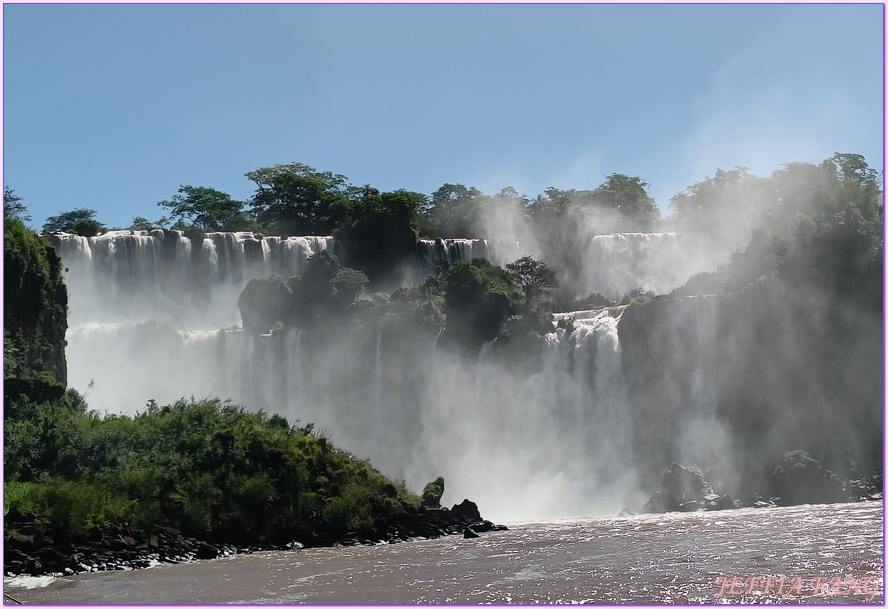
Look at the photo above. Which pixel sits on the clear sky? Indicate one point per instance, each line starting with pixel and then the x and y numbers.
pixel 113 107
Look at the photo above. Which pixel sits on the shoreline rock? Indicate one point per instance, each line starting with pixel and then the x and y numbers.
pixel 29 551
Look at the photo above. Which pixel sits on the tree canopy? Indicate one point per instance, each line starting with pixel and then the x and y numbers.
pixel 79 221
pixel 207 209
pixel 296 199
pixel 13 206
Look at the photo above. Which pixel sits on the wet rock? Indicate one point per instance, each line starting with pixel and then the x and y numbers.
pixel 206 551
pixel 18 540
pixel 483 527
pixel 468 533
pixel 684 484
pixel 725 502
pixel 660 503
pixel 467 510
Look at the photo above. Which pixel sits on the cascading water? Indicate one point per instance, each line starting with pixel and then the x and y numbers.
pixel 147 309
pixel 616 263
pixel 498 252
pixel 132 276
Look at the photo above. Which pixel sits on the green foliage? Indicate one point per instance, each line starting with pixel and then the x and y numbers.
pixel 140 223
pixel 67 222
pixel 799 478
pixel 796 462
pixel 637 296
pixel 296 199
pixel 13 208
pixel 628 196
pixel 534 279
pixel 453 211
pixel 19 496
pixel 324 292
pixel 87 227
pixel 824 227
pixel 348 283
pixel 207 209
pixel 432 493
pixel 715 199
pixel 556 204
pixel 592 301
pixel 35 305
pixel 478 298
pixel 208 468
pixel 379 229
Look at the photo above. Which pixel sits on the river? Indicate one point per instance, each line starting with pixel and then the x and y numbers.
pixel 808 554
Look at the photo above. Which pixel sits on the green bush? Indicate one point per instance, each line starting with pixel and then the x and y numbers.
pixel 210 469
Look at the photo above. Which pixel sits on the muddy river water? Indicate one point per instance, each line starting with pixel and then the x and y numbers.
pixel 810 554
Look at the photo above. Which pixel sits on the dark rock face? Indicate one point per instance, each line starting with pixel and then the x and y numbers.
pixel 467 510
pixel 660 503
pixel 684 484
pixel 800 479
pixel 725 502
pixel 685 490
pixel 791 362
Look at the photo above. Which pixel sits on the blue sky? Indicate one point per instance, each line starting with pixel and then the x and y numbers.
pixel 113 107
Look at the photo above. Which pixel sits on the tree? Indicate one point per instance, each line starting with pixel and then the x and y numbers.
pixel 432 493
pixel 13 206
pixel 140 223
pixel 380 228
pixel 296 199
pixel 627 195
pixel 478 297
pixel 728 198
pixel 78 221
pixel 454 210
pixel 87 227
pixel 207 209
pixel 556 203
pixel 533 278
pixel 347 284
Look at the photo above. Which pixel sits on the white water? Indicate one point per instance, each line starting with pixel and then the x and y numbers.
pixel 147 312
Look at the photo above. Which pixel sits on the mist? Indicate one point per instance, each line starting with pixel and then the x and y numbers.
pixel 583 424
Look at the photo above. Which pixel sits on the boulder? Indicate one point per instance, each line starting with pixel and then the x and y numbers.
pixel 798 479
pixel 467 511
pixel 725 502
pixel 659 503
pixel 468 533
pixel 206 551
pixel 683 483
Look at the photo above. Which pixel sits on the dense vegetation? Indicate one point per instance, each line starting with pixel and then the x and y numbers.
pixel 35 313
pixel 815 227
pixel 209 469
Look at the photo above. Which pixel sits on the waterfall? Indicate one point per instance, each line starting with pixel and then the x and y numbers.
pixel 132 276
pixel 497 251
pixel 614 264
pixel 154 316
